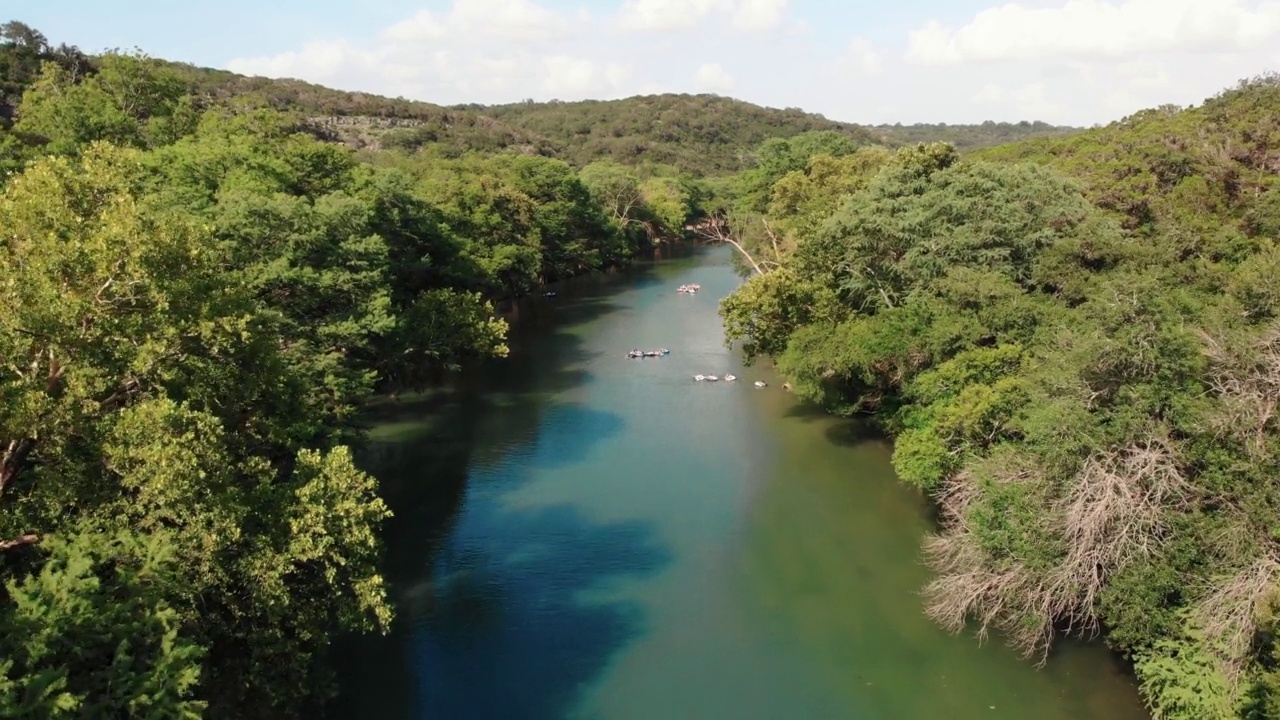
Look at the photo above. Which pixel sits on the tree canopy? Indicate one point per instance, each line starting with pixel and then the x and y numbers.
pixel 1075 344
pixel 197 299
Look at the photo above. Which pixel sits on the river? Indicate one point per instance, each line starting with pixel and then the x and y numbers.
pixel 580 535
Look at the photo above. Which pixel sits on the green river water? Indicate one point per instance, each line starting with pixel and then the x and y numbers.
pixel 580 535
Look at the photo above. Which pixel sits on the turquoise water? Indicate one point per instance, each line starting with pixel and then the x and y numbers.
pixel 580 535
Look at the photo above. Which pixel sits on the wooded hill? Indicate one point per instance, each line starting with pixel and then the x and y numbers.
pixel 1076 344
pixel 968 137
pixel 698 134
pixel 706 134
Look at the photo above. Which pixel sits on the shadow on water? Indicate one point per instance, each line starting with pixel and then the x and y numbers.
pixel 513 630
pixel 511 595
pixel 842 432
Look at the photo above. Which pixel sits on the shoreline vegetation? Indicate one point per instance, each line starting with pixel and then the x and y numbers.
pixel 198 298
pixel 1075 343
pixel 204 278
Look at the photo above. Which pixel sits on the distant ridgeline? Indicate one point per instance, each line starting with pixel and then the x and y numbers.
pixel 698 134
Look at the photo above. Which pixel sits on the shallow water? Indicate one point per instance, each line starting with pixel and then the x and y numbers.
pixel 580 535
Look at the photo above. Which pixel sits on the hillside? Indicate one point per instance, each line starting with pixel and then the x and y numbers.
pixel 1076 345
pixel 363 120
pixel 968 137
pixel 699 134
pixel 709 131
pixel 1160 167
pixel 693 132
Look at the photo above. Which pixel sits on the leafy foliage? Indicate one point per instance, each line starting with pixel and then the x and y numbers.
pixel 197 297
pixel 1075 342
pixel 968 137
pixel 100 601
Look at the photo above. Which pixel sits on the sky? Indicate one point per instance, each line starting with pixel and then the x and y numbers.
pixel 1070 62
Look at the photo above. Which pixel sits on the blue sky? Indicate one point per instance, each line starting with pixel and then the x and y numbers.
pixel 1066 61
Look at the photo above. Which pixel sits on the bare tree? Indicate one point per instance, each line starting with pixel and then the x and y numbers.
pixel 1229 615
pixel 1113 511
pixel 721 229
pixel 1245 378
pixel 1000 593
pixel 1247 383
pixel 1117 511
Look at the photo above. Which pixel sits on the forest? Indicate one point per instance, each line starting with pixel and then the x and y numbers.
pixel 1072 336
pixel 1075 344
pixel 700 135
pixel 197 297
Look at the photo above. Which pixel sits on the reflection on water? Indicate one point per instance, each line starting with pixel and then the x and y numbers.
pixel 578 534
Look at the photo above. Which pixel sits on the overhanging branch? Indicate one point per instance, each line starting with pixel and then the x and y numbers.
pixel 716 230
pixel 28 539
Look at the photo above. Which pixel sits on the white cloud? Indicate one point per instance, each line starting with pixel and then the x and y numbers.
pixel 511 19
pixel 673 15
pixel 1097 29
pixel 616 74
pixel 760 14
pixel 567 75
pixel 1033 101
pixel 505 50
pixel 476 50
pixel 713 77
pixel 862 58
pixel 990 94
pixel 1062 61
pixel 422 26
pixel 667 15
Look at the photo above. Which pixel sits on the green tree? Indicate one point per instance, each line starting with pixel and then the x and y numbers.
pixel 151 396
pixel 93 633
pixel 130 100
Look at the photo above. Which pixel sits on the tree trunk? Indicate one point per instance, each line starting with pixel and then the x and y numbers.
pixel 28 539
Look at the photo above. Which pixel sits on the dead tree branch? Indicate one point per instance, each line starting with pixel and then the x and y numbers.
pixel 1115 512
pixel 1247 381
pixel 716 230
pixel 1229 615
pixel 28 539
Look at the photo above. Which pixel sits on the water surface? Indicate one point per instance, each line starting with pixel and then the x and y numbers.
pixel 580 535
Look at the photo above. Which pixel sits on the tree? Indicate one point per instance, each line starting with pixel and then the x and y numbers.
pixel 148 395
pixel 94 633
pixel 778 156
pixel 131 100
pixel 616 188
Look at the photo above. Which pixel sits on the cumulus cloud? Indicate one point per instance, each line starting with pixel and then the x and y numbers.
pixel 1062 61
pixel 990 94
pixel 673 15
pixel 666 15
pixel 478 50
pixel 1033 101
pixel 861 58
pixel 760 14
pixel 1097 29
pixel 713 77
pixel 500 50
pixel 1087 61
pixel 511 19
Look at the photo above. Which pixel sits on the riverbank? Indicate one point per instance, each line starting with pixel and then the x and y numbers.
pixel 582 535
